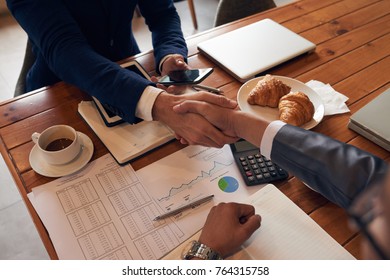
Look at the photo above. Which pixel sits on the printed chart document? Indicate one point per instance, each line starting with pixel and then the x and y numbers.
pixel 105 212
pixel 125 141
pixel 286 233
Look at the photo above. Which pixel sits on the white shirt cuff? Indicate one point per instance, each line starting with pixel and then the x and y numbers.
pixel 268 137
pixel 146 102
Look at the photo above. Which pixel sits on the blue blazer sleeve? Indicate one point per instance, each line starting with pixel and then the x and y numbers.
pixel 336 170
pixel 80 41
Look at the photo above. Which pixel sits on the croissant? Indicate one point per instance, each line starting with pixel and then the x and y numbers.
pixel 268 92
pixel 296 108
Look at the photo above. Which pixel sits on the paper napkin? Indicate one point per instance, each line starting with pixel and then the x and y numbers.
pixel 334 102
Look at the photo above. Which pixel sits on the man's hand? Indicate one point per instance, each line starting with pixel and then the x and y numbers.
pixel 192 128
pixel 228 226
pixel 212 109
pixel 234 123
pixel 172 63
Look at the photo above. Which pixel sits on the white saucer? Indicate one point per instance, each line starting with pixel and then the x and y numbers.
pixel 49 170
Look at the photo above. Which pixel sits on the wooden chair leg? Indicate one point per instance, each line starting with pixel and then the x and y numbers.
pixel 193 15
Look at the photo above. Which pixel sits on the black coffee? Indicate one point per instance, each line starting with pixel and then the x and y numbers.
pixel 58 144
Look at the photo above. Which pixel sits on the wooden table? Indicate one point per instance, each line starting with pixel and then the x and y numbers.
pixel 352 54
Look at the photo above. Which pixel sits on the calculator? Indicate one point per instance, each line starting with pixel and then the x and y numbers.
pixel 255 168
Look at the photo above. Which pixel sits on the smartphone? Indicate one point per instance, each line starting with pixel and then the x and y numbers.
pixel 110 118
pixel 255 168
pixel 185 77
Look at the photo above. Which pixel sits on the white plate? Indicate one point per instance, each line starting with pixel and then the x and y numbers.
pixel 49 170
pixel 271 114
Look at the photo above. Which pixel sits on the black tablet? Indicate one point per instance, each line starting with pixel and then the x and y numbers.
pixel 110 118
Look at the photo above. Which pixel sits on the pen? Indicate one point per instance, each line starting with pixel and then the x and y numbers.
pixel 185 207
pixel 211 89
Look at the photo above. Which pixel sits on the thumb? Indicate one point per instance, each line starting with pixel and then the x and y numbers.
pixel 251 225
pixel 180 63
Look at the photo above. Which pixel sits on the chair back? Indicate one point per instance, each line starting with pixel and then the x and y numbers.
pixel 28 61
pixel 231 10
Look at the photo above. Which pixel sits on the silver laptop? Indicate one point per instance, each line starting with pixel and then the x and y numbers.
pixel 372 120
pixel 250 50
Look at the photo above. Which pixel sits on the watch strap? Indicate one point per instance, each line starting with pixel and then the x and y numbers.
pixel 201 251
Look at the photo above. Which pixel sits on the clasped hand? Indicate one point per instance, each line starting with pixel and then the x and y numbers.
pixel 228 226
pixel 190 127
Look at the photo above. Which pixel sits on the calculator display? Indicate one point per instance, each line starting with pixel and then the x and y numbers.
pixel 242 146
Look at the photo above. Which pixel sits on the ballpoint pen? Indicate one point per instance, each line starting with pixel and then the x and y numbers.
pixel 211 89
pixel 185 207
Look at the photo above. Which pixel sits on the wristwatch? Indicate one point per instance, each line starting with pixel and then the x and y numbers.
pixel 199 250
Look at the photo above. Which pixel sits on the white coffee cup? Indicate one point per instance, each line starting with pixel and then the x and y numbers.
pixel 58 144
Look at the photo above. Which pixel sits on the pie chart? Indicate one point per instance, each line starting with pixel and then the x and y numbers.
pixel 228 184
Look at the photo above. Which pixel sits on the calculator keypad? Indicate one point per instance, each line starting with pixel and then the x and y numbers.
pixel 257 169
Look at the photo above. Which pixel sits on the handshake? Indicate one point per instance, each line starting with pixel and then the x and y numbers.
pixel 203 118
pixel 207 119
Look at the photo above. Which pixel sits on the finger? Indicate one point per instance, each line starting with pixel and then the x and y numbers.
pixel 215 99
pixel 176 89
pixel 181 139
pixel 211 99
pixel 189 106
pixel 179 60
pixel 224 139
pixel 177 136
pixel 212 138
pixel 203 140
pixel 174 62
pixel 181 64
pixel 245 210
pixel 252 224
pixel 160 86
pixel 171 89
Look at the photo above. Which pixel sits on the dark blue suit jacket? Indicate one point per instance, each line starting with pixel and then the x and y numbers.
pixel 336 170
pixel 77 41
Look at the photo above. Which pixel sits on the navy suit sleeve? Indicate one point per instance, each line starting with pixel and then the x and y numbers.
pixel 164 23
pixel 72 43
pixel 336 170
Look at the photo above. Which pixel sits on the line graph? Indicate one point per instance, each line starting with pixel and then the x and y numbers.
pixel 192 173
pixel 217 166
